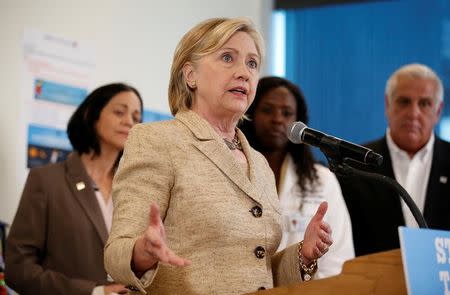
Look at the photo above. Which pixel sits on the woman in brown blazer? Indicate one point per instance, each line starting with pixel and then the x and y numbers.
pixel 56 241
pixel 195 207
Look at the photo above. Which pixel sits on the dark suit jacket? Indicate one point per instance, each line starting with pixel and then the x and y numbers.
pixel 375 210
pixel 55 245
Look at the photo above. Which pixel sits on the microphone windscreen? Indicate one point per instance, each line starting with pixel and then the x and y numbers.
pixel 295 130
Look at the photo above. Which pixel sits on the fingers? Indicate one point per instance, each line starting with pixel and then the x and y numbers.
pixel 174 259
pixel 154 215
pixel 325 233
pixel 165 255
pixel 320 238
pixel 317 249
pixel 155 245
pixel 325 239
pixel 320 249
pixel 115 289
pixel 317 238
pixel 322 246
pixel 155 219
pixel 326 227
pixel 320 213
pixel 153 237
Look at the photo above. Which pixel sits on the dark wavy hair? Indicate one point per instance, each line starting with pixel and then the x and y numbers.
pixel 301 154
pixel 81 127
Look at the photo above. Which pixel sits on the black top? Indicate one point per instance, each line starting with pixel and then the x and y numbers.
pixel 375 210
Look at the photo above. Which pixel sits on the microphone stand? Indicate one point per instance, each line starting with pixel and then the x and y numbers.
pixel 344 169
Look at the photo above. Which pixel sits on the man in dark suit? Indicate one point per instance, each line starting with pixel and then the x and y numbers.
pixel 413 155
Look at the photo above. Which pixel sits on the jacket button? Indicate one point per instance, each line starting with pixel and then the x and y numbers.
pixel 261 288
pixel 260 252
pixel 256 211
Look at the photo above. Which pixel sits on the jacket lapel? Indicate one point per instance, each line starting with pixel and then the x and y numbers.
pixel 437 179
pixel 386 169
pixel 208 142
pixel 81 187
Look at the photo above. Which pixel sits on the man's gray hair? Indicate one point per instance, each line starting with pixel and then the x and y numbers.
pixel 415 71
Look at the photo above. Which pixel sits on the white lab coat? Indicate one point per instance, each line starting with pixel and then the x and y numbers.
pixel 297 210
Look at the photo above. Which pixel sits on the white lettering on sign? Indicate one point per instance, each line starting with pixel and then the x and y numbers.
pixel 442 246
pixel 444 276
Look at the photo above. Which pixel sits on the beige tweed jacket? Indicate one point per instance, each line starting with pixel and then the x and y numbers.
pixel 205 197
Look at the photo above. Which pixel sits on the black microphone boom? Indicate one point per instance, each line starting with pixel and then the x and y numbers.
pixel 338 150
pixel 331 146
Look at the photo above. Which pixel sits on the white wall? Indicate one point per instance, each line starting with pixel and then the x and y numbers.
pixel 134 41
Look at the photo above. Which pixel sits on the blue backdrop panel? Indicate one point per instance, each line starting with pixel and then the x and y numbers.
pixel 342 55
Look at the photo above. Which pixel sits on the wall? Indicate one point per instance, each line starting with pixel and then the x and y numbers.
pixel 134 42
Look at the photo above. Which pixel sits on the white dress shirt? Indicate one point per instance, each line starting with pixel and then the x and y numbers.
pixel 298 208
pixel 107 213
pixel 106 208
pixel 411 173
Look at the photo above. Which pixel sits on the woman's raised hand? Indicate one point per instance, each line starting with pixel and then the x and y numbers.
pixel 151 247
pixel 317 239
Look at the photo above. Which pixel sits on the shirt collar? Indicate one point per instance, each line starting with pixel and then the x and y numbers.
pixel 398 152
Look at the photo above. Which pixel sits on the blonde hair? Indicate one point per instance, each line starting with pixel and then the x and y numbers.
pixel 205 38
pixel 415 71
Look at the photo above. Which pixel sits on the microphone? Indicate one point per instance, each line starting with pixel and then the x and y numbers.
pixel 332 147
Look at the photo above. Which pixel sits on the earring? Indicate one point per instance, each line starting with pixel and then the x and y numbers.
pixel 193 84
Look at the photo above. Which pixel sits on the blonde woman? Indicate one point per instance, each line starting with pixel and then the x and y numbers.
pixel 196 208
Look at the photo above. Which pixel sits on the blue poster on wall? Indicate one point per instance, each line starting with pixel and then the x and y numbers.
pixel 51 145
pixel 58 73
pixel 58 92
pixel 152 116
pixel 46 145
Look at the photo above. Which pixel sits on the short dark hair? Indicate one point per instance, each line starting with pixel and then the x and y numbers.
pixel 81 127
pixel 301 154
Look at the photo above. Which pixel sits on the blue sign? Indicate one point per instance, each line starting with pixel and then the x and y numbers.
pixel 57 92
pixel 48 137
pixel 152 116
pixel 426 260
pixel 46 145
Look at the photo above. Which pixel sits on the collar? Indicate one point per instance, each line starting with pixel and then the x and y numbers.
pixel 209 142
pixel 398 152
pixel 201 129
pixel 288 176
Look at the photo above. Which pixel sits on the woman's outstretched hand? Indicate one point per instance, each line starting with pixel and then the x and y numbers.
pixel 151 247
pixel 317 239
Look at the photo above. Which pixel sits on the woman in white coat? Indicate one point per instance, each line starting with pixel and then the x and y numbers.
pixel 302 184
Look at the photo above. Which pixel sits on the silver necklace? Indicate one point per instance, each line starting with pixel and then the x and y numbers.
pixel 234 144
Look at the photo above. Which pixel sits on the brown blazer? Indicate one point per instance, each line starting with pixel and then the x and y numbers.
pixel 205 197
pixel 56 241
